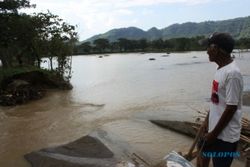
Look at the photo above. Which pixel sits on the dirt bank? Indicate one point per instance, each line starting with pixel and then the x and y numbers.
pixel 26 86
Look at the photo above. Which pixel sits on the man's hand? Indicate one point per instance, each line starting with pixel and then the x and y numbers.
pixel 222 123
pixel 210 137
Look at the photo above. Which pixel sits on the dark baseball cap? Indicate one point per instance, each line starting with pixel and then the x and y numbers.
pixel 223 40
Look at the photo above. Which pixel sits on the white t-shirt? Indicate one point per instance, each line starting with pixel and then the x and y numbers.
pixel 227 89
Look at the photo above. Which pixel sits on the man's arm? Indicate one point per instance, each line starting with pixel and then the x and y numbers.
pixel 222 123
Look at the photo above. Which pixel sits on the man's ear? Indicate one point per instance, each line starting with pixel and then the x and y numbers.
pixel 215 49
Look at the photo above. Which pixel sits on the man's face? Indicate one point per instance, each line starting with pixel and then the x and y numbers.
pixel 212 51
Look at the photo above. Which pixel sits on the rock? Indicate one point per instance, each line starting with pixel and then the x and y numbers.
pixel 84 147
pixel 165 55
pixel 151 59
pixel 98 149
pixel 43 159
pixel 85 152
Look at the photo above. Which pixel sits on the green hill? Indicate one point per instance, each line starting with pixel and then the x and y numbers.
pixel 238 27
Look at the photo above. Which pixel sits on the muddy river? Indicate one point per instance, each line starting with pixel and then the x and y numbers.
pixel 118 93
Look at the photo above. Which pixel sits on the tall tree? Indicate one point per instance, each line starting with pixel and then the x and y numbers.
pixel 25 39
pixel 123 44
pixel 85 47
pixel 143 44
pixel 101 44
pixel 158 44
pixel 12 6
pixel 59 37
pixel 13 28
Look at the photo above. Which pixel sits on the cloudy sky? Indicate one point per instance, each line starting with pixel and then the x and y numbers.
pixel 98 16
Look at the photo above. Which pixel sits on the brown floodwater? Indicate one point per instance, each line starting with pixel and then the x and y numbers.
pixel 118 94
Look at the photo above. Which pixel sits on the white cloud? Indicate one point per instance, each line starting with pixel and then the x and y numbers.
pixel 135 3
pixel 98 16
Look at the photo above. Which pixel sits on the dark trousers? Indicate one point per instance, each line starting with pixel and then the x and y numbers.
pixel 221 152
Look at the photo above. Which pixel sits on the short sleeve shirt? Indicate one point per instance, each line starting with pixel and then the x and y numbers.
pixel 227 88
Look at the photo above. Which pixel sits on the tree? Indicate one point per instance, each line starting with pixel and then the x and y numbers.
pixel 25 39
pixel 243 43
pixel 180 44
pixel 13 29
pixel 114 46
pixel 158 44
pixel 12 6
pixel 123 44
pixel 143 44
pixel 59 38
pixel 101 44
pixel 85 47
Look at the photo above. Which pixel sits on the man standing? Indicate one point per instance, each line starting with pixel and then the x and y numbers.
pixel 224 121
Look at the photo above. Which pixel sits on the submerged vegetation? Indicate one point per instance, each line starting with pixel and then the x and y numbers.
pixel 27 39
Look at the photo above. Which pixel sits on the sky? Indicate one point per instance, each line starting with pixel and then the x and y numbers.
pixel 94 17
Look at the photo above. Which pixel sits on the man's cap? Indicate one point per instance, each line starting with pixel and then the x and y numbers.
pixel 222 40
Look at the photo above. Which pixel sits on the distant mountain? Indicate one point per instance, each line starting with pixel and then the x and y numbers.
pixel 114 34
pixel 238 27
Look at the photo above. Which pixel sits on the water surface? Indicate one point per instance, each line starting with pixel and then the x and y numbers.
pixel 119 93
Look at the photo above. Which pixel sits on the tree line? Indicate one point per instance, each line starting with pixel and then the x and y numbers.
pixel 103 45
pixel 27 38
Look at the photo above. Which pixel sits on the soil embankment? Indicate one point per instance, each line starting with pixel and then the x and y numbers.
pixel 26 86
